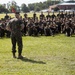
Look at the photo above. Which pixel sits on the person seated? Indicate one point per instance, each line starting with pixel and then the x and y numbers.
pixel 42 16
pixel 48 16
pixel 68 30
pixel 6 16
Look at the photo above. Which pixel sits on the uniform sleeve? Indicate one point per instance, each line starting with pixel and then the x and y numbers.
pixel 8 26
pixel 22 25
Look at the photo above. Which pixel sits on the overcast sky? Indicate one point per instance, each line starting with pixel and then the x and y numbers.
pixel 19 2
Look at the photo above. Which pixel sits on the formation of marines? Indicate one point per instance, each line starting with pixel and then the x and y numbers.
pixel 48 25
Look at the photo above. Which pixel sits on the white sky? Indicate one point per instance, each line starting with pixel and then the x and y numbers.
pixel 19 2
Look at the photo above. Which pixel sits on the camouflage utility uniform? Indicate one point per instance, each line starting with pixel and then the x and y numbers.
pixel 15 26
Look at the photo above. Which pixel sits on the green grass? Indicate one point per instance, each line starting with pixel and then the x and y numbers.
pixel 44 56
pixel 22 14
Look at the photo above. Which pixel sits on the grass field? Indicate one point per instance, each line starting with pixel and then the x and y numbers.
pixel 22 14
pixel 44 56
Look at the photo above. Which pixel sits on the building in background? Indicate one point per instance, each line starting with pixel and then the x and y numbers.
pixel 67 5
pixel 51 8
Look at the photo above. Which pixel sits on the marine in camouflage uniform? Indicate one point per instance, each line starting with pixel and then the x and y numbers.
pixel 15 25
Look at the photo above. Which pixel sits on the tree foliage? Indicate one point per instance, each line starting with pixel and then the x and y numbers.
pixel 24 8
pixel 12 6
pixel 42 5
pixel 31 7
pixel 3 9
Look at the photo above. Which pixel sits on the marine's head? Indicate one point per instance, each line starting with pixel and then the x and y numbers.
pixel 17 14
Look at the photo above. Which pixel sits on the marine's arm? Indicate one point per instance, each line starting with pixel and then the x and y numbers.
pixel 8 26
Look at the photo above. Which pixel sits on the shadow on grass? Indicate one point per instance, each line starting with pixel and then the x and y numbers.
pixel 32 61
pixel 73 36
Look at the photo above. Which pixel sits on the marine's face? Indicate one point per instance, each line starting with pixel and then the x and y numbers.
pixel 17 15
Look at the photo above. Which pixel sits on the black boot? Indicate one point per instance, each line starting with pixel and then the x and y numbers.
pixel 14 56
pixel 20 56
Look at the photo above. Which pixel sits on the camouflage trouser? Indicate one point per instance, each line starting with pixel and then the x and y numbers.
pixel 18 40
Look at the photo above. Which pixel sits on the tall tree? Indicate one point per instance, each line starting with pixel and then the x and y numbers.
pixel 37 8
pixel 12 6
pixel 31 6
pixel 24 8
pixel 3 9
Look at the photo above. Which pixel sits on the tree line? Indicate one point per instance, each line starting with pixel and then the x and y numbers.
pixel 12 6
